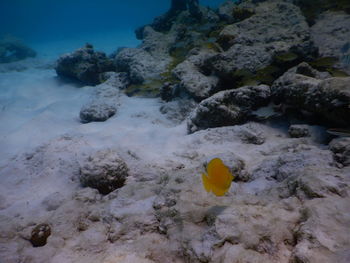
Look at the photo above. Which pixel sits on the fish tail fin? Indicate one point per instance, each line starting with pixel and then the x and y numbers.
pixel 206 183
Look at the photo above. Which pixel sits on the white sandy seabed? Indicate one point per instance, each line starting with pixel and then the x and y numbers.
pixel 42 139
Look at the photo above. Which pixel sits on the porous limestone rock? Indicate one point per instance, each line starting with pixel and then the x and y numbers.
pixel 84 65
pixel 198 85
pixel 228 107
pixel 252 134
pixel 104 170
pixel 328 99
pixel 147 61
pixel 331 35
pixel 341 148
pixel 194 74
pixel 327 241
pixel 103 101
pixel 298 131
pixel 97 110
pixel 275 28
pixel 304 171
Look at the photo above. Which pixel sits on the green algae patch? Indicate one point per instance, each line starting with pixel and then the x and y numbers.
pixel 323 63
pixel 242 76
pixel 286 57
pixel 327 64
pixel 338 73
pixel 212 46
pixel 268 74
pixel 149 89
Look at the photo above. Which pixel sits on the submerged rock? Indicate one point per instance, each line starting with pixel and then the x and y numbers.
pixel 341 148
pixel 84 65
pixel 104 171
pixel 251 134
pixel 97 110
pixel 149 60
pixel 228 107
pixel 327 98
pixel 298 131
pixel 198 85
pixel 322 235
pixel 40 234
pixel 12 49
pixel 103 102
pixel 275 29
pixel 331 35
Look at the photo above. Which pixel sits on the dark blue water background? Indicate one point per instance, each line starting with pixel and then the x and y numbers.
pixel 63 20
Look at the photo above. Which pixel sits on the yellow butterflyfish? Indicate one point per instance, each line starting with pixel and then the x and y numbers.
pixel 217 178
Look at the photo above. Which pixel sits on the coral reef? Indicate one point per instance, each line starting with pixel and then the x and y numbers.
pixel 256 84
pixel 104 171
pixel 84 65
pixel 103 101
pixel 227 108
pixel 328 99
pixel 341 148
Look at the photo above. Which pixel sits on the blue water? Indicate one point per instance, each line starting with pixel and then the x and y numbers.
pixel 39 21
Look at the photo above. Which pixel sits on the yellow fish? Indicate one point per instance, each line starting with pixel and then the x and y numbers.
pixel 218 177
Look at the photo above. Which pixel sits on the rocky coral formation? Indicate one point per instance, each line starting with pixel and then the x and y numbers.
pixel 104 171
pixel 194 82
pixel 341 148
pixel 149 60
pixel 84 65
pixel 97 110
pixel 275 29
pixel 289 201
pixel 104 99
pixel 298 131
pixel 12 49
pixel 227 108
pixel 328 99
pixel 331 34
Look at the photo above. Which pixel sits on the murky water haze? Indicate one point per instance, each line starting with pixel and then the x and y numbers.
pixel 49 20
